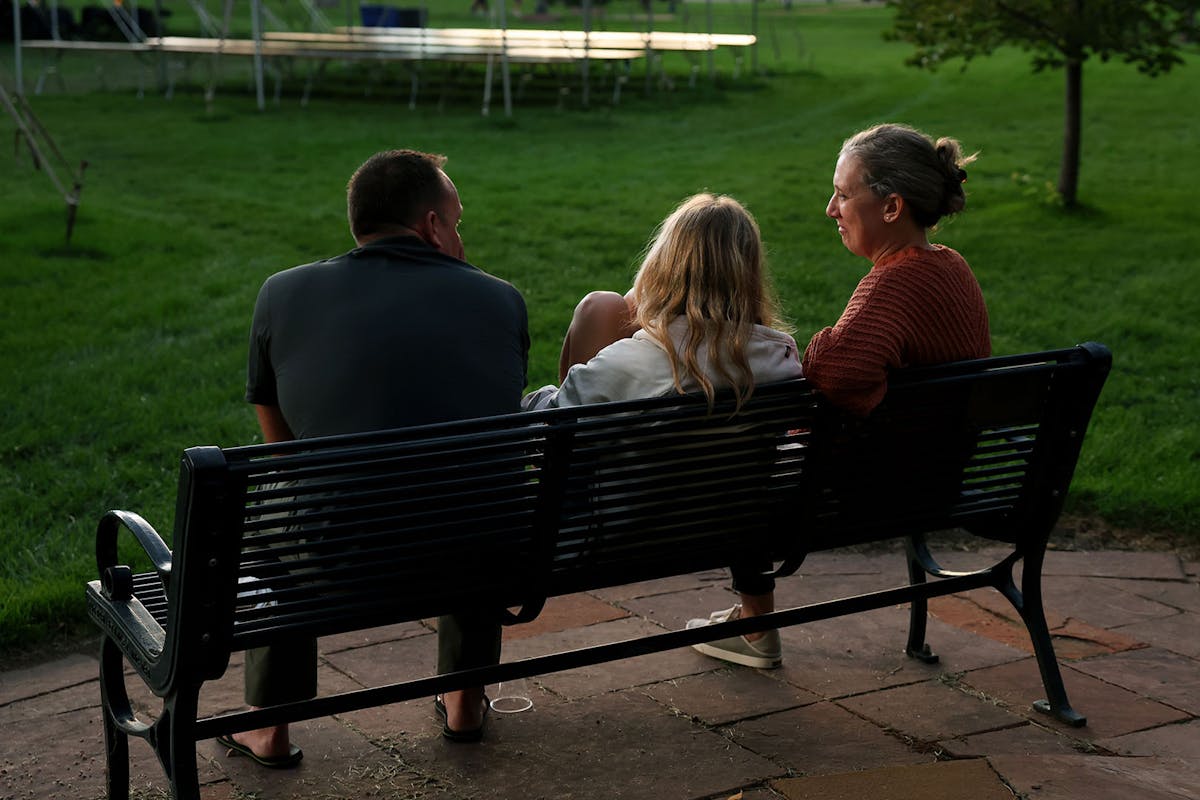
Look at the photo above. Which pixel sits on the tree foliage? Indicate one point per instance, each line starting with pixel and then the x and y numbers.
pixel 1142 32
pixel 1058 34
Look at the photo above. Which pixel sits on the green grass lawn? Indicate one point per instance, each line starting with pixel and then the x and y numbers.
pixel 127 346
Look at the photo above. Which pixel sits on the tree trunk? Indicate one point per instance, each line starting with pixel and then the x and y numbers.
pixel 1068 176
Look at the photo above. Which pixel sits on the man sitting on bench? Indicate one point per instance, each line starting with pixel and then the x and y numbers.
pixel 399 331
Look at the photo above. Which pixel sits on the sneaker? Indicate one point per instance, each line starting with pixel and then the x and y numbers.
pixel 763 653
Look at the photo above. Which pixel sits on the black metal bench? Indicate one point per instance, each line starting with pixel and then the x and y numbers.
pixel 323 536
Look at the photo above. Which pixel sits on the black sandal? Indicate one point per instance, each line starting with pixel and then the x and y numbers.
pixel 235 747
pixel 460 737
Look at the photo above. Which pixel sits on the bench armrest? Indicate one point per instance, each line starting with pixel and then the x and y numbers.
pixel 131 625
pixel 106 543
pixel 111 603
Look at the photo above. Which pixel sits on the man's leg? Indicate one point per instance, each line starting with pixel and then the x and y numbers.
pixel 281 673
pixel 466 641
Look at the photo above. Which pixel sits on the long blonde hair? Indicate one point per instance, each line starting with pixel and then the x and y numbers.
pixel 706 263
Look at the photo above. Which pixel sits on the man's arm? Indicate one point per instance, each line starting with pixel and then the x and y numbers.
pixel 274 426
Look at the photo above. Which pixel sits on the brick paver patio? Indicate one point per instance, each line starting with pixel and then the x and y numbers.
pixel 848 716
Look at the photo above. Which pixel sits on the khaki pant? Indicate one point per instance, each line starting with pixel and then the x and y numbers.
pixel 286 672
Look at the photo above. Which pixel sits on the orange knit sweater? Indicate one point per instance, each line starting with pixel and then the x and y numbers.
pixel 914 308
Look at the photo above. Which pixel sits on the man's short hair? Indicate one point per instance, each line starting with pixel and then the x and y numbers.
pixel 393 188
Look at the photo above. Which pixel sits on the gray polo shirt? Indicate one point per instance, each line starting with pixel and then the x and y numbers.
pixel 388 335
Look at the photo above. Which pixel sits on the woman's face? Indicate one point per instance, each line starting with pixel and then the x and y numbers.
pixel 859 212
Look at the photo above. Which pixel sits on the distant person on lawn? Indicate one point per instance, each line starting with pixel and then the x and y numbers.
pixel 399 331
pixel 920 304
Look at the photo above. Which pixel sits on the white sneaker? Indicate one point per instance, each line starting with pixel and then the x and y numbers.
pixel 763 653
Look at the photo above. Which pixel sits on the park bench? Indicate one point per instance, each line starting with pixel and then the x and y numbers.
pixel 324 536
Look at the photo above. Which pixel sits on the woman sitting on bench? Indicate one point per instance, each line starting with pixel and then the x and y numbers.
pixel 705 318
pixel 919 305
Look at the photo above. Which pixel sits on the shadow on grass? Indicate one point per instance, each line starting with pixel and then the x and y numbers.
pixel 1083 212
pixel 75 253
pixel 1045 194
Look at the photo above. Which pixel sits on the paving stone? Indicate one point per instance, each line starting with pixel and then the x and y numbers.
pixel 854 654
pixel 1158 674
pixel 1192 568
pixel 1179 633
pixel 228 693
pixel 1098 777
pixel 1169 741
pixel 1109 603
pixel 562 613
pixel 388 633
pixel 396 722
pixel 61 755
pixel 964 611
pixel 678 583
pixel 222 790
pixel 959 650
pixel 44 713
pixel 48 703
pixel 20 684
pixel 400 724
pixel 930 711
pixel 815 588
pixel 1110 710
pixel 1075 639
pixel 1028 739
pixel 338 762
pixel 944 780
pixel 987 613
pixel 618 745
pixel 1114 564
pixel 728 695
pixel 672 610
pixel 1056 619
pixel 823 738
pixel 388 662
pixel 602 678
pixel 1179 595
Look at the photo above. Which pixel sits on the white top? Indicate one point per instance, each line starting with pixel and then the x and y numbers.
pixel 638 367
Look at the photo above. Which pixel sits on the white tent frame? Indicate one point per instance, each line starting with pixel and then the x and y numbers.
pixel 127 23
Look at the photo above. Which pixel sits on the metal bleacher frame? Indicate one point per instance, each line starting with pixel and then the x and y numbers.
pixel 499 46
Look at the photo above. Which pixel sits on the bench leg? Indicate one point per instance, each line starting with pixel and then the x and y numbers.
pixel 176 744
pixel 172 735
pixel 116 753
pixel 1028 602
pixel 917 647
pixel 116 741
